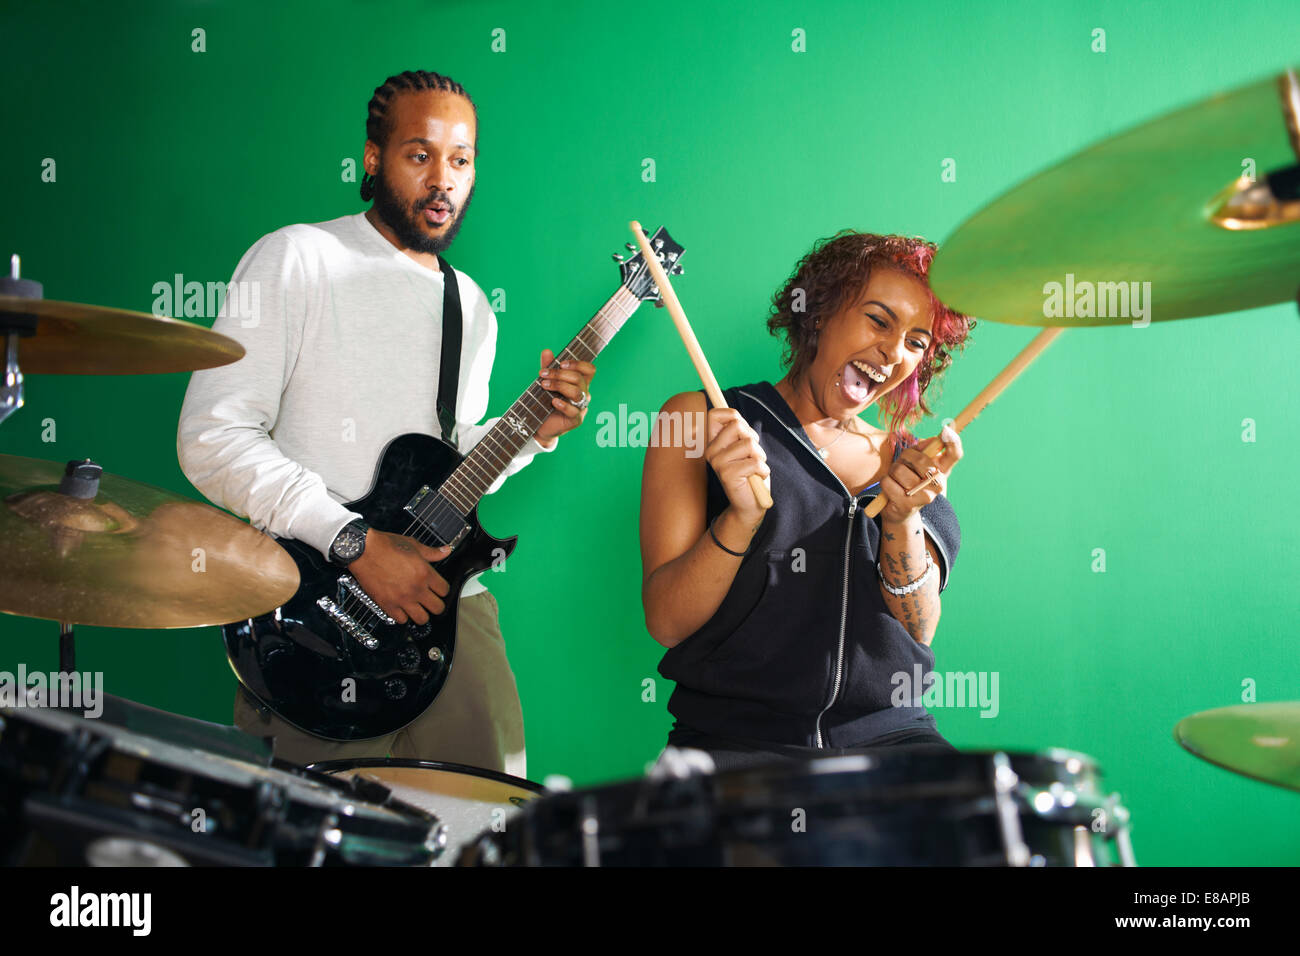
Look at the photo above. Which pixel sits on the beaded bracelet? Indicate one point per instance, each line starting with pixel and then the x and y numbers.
pixel 908 588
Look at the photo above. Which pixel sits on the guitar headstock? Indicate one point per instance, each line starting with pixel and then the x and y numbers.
pixel 636 274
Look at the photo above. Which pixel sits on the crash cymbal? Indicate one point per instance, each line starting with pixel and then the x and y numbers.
pixel 1258 740
pixel 76 339
pixel 131 556
pixel 1140 207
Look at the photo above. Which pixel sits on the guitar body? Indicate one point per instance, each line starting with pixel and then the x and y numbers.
pixel 364 677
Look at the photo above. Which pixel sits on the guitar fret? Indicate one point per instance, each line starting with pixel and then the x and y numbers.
pixel 456 495
pixel 503 441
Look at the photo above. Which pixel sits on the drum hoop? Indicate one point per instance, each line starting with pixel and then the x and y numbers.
pixel 362 763
pixel 326 800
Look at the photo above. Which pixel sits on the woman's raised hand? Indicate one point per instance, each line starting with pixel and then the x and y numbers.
pixel 733 452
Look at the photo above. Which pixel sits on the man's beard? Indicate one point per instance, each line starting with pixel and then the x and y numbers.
pixel 406 222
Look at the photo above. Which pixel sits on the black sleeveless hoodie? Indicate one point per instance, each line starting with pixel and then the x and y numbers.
pixel 803 650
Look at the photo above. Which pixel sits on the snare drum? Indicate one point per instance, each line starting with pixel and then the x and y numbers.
pixel 467 800
pixel 75 791
pixel 881 808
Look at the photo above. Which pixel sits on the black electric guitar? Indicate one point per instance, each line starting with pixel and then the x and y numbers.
pixel 330 661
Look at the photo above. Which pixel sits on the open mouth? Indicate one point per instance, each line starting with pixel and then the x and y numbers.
pixel 860 381
pixel 437 213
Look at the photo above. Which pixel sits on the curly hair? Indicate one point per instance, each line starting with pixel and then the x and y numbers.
pixel 836 271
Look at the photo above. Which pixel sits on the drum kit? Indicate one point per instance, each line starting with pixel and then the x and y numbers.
pixel 136 786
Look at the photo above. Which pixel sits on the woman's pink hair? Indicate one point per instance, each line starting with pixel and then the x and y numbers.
pixel 835 271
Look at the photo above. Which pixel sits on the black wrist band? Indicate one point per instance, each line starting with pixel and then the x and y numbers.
pixel 735 554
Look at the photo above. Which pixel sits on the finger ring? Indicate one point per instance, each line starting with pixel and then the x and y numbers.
pixel 932 479
pixel 582 402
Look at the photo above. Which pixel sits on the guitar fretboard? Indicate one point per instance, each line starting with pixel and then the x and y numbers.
pixel 486 461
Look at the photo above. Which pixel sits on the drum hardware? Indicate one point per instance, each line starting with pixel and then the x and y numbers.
pixel 1005 784
pixel 1274 200
pixel 76 791
pixel 877 808
pixel 15 325
pixel 468 801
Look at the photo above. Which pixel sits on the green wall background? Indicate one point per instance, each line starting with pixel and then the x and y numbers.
pixel 174 161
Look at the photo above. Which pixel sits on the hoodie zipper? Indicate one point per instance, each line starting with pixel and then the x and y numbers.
pixel 848 543
pixel 844 618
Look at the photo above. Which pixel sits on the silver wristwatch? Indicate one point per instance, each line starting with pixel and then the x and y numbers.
pixel 349 543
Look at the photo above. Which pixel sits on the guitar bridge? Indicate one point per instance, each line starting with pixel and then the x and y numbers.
pixel 348 624
pixel 349 588
pixel 349 583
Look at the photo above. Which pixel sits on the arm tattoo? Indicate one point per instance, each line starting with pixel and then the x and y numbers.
pixel 903 557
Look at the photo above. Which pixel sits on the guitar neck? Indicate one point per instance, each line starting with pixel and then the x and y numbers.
pixel 486 461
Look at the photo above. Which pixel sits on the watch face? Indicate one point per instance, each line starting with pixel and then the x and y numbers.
pixel 349 544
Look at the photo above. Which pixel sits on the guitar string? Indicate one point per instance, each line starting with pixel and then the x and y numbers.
pixel 423 523
pixel 441 505
pixel 420 526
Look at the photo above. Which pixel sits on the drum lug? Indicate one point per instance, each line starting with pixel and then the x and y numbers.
pixel 328 837
pixel 1005 784
pixel 436 844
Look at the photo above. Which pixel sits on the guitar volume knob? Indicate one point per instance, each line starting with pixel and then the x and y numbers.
pixel 408 659
pixel 394 688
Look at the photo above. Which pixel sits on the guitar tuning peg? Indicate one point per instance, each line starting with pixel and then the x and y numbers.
pixel 677 270
pixel 618 257
pixel 631 247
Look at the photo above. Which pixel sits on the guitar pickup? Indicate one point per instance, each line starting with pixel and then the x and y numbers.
pixel 435 513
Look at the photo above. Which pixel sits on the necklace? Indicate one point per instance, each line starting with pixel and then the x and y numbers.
pixel 825 450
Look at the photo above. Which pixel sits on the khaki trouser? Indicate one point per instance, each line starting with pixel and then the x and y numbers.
pixel 476 720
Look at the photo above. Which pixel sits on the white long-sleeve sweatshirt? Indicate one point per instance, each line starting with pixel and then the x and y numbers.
pixel 343 335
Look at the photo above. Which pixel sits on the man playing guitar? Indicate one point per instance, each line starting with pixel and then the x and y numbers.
pixel 341 357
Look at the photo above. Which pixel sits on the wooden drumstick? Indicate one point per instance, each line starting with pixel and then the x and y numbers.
pixel 982 401
pixel 692 344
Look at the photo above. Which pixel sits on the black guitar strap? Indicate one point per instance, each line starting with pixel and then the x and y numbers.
pixel 449 370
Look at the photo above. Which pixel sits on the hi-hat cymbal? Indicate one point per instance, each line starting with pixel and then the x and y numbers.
pixel 133 556
pixel 1137 207
pixel 1257 740
pixel 76 339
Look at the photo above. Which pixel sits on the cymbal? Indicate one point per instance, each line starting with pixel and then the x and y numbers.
pixel 76 339
pixel 133 556
pixel 1137 207
pixel 1258 740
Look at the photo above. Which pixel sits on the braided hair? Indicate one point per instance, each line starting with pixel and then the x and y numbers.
pixel 378 125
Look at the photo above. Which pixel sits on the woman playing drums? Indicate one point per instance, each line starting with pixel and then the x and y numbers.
pixel 798 631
